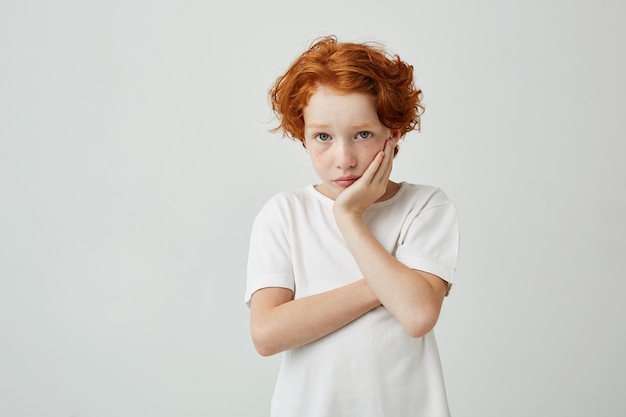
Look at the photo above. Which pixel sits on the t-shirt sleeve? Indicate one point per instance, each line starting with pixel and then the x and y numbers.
pixel 269 254
pixel 430 241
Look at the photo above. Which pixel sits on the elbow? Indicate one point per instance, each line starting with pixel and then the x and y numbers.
pixel 263 342
pixel 421 323
pixel 417 331
pixel 264 349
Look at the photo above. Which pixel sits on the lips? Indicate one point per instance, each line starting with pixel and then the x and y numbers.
pixel 345 181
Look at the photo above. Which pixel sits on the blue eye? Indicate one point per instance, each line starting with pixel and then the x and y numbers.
pixel 363 135
pixel 323 137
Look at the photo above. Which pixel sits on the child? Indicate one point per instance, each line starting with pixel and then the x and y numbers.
pixel 347 277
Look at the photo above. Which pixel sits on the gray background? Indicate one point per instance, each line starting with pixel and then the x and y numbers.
pixel 134 154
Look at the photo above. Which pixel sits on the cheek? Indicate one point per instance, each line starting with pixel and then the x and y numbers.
pixel 317 152
pixel 317 159
pixel 369 152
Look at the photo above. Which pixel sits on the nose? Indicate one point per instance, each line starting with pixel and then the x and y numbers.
pixel 345 155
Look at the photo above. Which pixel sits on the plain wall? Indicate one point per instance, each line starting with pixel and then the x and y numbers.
pixel 135 153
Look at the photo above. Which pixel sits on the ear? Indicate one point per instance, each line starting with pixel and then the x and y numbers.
pixel 395 136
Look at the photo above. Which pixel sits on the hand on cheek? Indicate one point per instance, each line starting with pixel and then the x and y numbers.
pixel 370 187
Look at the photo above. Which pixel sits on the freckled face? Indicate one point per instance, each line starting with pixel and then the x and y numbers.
pixel 342 135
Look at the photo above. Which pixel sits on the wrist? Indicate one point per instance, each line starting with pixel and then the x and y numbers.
pixel 350 225
pixel 345 216
pixel 367 294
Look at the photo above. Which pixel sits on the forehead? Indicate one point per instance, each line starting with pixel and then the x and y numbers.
pixel 328 106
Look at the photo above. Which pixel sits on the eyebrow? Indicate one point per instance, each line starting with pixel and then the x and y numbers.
pixel 316 126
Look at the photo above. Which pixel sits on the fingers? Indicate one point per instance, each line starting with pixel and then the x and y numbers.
pixel 379 170
pixel 370 186
pixel 373 169
pixel 384 167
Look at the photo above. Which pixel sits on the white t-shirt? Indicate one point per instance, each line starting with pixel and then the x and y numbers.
pixel 369 367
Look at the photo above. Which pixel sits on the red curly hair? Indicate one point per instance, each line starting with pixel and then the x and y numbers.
pixel 349 67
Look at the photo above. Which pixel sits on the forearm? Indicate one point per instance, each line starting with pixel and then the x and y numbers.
pixel 413 297
pixel 294 323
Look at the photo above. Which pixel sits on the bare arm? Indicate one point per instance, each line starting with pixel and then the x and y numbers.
pixel 278 323
pixel 413 297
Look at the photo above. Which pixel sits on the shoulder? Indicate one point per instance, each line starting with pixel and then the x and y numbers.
pixel 288 199
pixel 423 196
pixel 287 204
